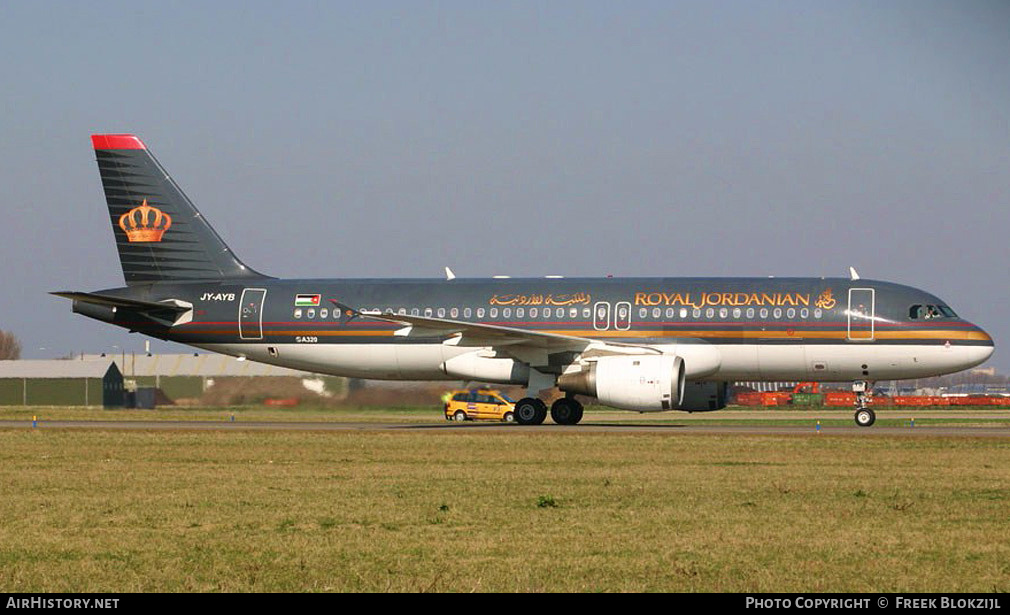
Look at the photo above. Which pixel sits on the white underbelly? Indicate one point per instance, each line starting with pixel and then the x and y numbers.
pixel 736 362
pixel 839 362
pixel 374 361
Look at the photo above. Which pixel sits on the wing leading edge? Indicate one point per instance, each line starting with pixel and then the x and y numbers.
pixel 470 334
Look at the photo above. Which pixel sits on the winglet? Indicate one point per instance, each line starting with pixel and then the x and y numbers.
pixel 449 275
pixel 852 274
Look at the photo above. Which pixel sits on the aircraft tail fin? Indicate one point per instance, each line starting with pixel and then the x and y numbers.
pixel 160 235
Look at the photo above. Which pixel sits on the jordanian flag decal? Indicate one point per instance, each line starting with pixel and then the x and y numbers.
pixel 307 300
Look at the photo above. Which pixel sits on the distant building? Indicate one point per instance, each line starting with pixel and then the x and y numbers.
pixel 108 379
pixel 188 376
pixel 61 383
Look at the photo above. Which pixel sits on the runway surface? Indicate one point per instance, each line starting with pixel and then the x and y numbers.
pixel 991 431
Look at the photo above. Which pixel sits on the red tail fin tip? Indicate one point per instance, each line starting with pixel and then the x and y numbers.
pixel 117 142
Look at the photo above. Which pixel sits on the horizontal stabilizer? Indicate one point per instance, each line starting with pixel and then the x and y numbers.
pixel 122 302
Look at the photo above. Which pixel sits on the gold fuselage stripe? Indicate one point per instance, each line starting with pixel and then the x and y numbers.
pixel 913 334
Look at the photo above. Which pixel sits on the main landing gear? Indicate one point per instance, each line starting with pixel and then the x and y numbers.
pixel 533 411
pixel 566 411
pixel 864 416
pixel 530 411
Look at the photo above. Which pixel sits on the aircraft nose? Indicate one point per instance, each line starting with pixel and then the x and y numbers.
pixel 981 349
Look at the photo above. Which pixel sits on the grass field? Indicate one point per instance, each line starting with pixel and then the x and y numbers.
pixel 503 511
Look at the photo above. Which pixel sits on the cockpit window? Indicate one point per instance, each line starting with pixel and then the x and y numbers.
pixel 927 312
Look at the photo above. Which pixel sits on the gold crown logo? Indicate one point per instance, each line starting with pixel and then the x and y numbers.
pixel 148 227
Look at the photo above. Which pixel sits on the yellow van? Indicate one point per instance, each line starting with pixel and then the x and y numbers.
pixel 466 405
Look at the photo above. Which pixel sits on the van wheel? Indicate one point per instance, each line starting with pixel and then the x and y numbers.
pixel 459 417
pixel 509 417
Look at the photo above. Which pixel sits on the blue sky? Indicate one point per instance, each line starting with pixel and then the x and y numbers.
pixel 389 139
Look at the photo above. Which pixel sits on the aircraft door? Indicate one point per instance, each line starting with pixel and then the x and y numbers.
pixel 601 316
pixel 860 314
pixel 250 314
pixel 622 316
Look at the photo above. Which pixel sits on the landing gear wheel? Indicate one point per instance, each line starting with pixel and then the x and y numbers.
pixel 566 411
pixel 865 417
pixel 530 411
pixel 459 417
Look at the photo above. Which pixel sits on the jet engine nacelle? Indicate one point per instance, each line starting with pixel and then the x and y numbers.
pixel 632 382
pixel 473 366
pixel 704 396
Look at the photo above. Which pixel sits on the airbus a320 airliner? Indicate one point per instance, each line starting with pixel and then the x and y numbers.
pixel 644 344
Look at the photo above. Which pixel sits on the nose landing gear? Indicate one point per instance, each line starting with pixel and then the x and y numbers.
pixel 864 392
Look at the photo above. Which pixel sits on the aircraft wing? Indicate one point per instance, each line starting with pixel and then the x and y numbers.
pixel 463 333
